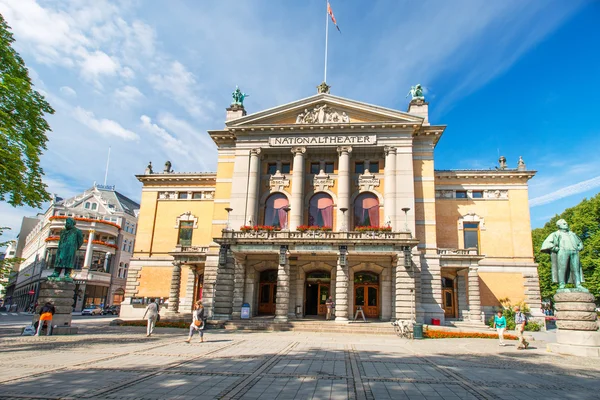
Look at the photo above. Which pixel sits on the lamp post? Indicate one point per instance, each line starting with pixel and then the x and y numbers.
pixel 287 213
pixel 406 210
pixel 344 228
pixel 229 210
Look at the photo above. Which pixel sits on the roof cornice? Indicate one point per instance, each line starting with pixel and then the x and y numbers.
pixel 178 178
pixel 484 174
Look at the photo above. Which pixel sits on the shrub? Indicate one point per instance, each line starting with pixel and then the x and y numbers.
pixel 373 229
pixel 304 228
pixel 435 334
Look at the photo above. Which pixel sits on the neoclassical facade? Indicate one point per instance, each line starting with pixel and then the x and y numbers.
pixel 328 196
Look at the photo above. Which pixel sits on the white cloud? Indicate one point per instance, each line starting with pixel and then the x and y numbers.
pixel 567 191
pixel 171 143
pixel 103 126
pixel 181 85
pixel 97 63
pixel 128 95
pixel 68 91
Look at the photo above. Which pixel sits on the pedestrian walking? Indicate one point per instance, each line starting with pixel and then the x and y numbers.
pixel 330 306
pixel 46 314
pixel 520 322
pixel 152 312
pixel 198 322
pixel 500 325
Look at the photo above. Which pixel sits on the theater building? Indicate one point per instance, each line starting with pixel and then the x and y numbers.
pixel 328 196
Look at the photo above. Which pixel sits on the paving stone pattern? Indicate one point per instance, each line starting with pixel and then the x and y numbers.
pixel 121 363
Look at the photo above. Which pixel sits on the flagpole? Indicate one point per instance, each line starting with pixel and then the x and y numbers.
pixel 107 162
pixel 326 38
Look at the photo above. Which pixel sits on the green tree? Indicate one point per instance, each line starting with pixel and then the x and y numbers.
pixel 584 220
pixel 23 129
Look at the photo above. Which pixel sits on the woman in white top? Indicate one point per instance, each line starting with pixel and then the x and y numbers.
pixel 152 312
pixel 197 324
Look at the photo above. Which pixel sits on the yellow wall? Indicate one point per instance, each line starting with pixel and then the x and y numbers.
pixel 143 238
pixel 154 282
pixel 494 286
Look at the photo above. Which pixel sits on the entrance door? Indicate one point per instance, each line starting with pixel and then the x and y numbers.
pixel 448 296
pixel 323 295
pixel 367 297
pixel 267 292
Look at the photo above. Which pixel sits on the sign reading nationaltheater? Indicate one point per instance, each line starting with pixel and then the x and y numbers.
pixel 323 140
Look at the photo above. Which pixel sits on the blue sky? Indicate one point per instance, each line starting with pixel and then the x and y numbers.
pixel 149 78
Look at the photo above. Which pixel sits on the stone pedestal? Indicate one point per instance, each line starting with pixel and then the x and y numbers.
pixel 577 324
pixel 61 295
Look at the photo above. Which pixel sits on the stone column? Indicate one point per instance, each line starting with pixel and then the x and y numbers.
pixel 283 292
pixel 405 307
pixel 293 289
pixel 389 196
pixel 106 257
pixel 253 181
pixel 296 205
pixel 175 286
pixel 461 285
pixel 474 295
pixel 386 294
pixel 341 292
pixel 190 290
pixel 239 281
pixel 343 193
pixel 88 250
pixel 405 188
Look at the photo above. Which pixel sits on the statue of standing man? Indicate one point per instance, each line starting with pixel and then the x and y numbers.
pixel 70 241
pixel 564 247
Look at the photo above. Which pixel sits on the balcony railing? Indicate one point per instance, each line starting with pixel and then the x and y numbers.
pixel 316 234
pixel 190 249
pixel 457 252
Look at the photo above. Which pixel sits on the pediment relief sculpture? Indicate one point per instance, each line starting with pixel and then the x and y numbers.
pixel 496 194
pixel 322 181
pixel 367 181
pixel 322 114
pixel 278 181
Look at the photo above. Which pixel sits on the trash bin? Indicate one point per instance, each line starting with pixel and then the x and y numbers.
pixel 245 311
pixel 298 311
pixel 417 331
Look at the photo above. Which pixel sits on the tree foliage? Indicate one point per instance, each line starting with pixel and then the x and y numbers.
pixel 23 129
pixel 584 220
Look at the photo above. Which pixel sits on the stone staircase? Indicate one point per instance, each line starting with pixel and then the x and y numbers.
pixel 260 324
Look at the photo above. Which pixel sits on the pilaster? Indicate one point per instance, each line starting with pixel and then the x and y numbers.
pixel 283 291
pixel 343 192
pixel 253 188
pixel 239 281
pixel 341 291
pixel 175 286
pixel 296 205
pixel 389 195
pixel 474 295
pixel 405 290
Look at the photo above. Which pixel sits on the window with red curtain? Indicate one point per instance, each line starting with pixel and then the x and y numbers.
pixel 275 213
pixel 366 210
pixel 320 210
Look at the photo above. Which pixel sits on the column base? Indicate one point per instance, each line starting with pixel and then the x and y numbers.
pixel 342 320
pixel 281 318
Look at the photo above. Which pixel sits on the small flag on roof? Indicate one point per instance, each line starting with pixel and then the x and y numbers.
pixel 330 12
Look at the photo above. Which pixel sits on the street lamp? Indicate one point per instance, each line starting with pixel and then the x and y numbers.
pixel 406 210
pixel 287 213
pixel 229 210
pixel 344 228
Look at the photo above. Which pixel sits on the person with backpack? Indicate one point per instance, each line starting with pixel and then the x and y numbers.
pixel 520 322
pixel 46 314
pixel 152 311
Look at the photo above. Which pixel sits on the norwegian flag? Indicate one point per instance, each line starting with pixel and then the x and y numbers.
pixel 330 12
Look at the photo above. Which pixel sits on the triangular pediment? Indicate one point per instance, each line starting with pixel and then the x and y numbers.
pixel 322 109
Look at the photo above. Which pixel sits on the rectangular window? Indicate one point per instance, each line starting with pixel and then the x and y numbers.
pixel 461 194
pixel 374 167
pixel 359 167
pixel 197 195
pixel 329 168
pixel 271 168
pixel 315 168
pixel 477 194
pixel 133 228
pixel 185 233
pixel 183 195
pixel 471 235
pixel 285 168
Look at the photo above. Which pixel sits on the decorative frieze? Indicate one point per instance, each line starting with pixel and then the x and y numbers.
pixel 187 195
pixel 367 181
pixel 322 114
pixel 489 194
pixel 278 182
pixel 495 194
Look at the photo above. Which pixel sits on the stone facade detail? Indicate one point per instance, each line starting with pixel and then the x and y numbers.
pixel 278 182
pixel 367 181
pixel 191 195
pixel 495 194
pixel 322 182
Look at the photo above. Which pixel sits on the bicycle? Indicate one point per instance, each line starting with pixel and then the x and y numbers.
pixel 403 329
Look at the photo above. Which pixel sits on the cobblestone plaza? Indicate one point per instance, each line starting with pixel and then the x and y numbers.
pixel 121 363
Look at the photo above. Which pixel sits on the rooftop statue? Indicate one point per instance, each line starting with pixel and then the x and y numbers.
pixel 70 241
pixel 564 247
pixel 416 92
pixel 238 97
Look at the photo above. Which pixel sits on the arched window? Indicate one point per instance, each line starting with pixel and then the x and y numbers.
pixel 275 211
pixel 366 210
pixel 320 211
pixel 94 206
pixel 87 204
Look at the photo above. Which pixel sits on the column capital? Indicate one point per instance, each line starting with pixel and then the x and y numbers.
pixel 389 150
pixel 240 258
pixel 254 152
pixel 177 263
pixel 298 150
pixel 344 149
pixel 473 270
pixel 92 231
